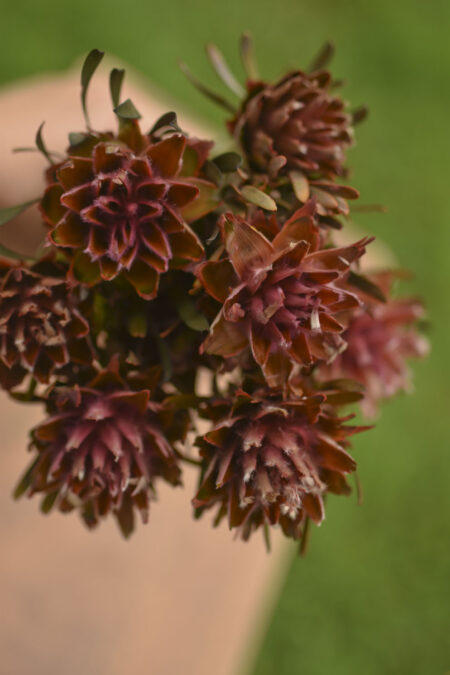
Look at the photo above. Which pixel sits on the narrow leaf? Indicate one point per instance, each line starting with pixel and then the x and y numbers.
pixel 25 481
pixel 127 110
pixel 220 66
pixel 247 57
pixel 13 211
pixel 216 98
pixel 323 57
pixel 89 67
pixel 254 196
pixel 24 149
pixel 40 144
pixel 115 85
pixel 49 501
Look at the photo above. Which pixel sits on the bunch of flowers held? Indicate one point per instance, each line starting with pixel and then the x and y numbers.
pixel 169 271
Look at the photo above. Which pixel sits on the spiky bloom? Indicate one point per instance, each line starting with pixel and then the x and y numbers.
pixel 280 298
pixel 380 338
pixel 122 207
pixel 100 451
pixel 270 461
pixel 294 124
pixel 41 330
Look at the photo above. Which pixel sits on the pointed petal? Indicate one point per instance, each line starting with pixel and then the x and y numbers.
pixel 166 155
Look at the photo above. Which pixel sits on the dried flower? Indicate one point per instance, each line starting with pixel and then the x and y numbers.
pixel 380 338
pixel 270 461
pixel 280 297
pixel 122 207
pixel 41 330
pixel 100 451
pixel 294 124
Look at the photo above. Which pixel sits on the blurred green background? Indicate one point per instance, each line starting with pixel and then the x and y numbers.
pixel 372 595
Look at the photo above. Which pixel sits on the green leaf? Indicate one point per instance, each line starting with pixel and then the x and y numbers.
pixel 41 145
pixel 137 325
pixel 254 196
pixel 48 501
pixel 89 67
pixel 212 172
pixel 115 84
pixel 189 314
pixel 13 211
pixel 164 355
pixel 167 122
pixel 127 110
pixel 247 57
pixel 220 66
pixel 228 162
pixel 24 149
pixel 216 98
pixel 77 138
pixel 366 286
pixel 25 481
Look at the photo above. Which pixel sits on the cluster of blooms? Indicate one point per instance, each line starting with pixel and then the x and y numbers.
pixel 170 271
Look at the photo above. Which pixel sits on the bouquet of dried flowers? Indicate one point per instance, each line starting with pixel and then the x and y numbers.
pixel 179 288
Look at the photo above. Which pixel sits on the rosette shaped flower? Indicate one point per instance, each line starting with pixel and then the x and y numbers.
pixel 294 124
pixel 281 298
pixel 269 462
pixel 380 338
pixel 122 207
pixel 41 331
pixel 100 451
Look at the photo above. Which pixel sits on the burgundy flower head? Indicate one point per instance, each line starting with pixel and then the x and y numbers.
pixel 100 451
pixel 121 207
pixel 41 330
pixel 279 297
pixel 294 124
pixel 270 461
pixel 380 338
